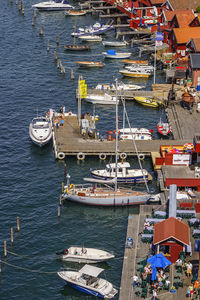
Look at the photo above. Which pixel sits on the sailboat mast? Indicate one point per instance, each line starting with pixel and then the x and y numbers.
pixel 116 136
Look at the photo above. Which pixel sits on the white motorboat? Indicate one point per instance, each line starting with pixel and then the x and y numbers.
pixel 114 43
pixel 90 38
pixel 142 67
pixel 105 195
pixel 123 172
pixel 135 134
pixel 86 280
pixel 101 99
pixel 116 55
pixel 95 29
pixel 40 131
pixel 85 255
pixel 53 5
pixel 121 87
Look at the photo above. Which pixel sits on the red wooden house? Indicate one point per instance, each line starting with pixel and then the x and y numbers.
pixel 171 236
pixel 193 45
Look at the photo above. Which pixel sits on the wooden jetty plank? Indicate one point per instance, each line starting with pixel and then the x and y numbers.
pixel 104 7
pixel 121 25
pixel 114 16
pixel 126 288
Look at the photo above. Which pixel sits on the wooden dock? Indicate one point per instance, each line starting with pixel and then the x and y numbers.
pixel 68 140
pixel 128 270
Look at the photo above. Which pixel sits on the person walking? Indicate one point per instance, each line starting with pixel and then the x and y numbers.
pixel 189 269
pixel 135 280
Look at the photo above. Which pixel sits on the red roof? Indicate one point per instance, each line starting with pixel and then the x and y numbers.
pixel 176 4
pixel 157 1
pixel 183 35
pixel 185 18
pixel 171 228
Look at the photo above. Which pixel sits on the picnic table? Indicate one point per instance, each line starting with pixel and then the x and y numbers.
pixel 147 237
pixel 186 213
pixel 160 213
pixel 154 220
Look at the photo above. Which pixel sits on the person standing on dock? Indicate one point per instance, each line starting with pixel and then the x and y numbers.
pixel 135 280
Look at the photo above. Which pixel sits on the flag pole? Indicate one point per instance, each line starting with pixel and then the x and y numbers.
pixel 154 77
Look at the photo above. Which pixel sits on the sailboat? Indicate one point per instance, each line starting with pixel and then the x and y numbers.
pixel 106 195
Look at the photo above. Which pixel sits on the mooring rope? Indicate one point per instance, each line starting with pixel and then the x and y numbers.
pixel 26 269
pixel 28 257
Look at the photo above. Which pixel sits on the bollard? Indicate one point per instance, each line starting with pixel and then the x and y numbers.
pixel 62 187
pixel 33 21
pixel 23 10
pixel 58 211
pixel 57 39
pixel 55 56
pixel 18 224
pixel 41 31
pixel 72 74
pixel 48 46
pixel 5 250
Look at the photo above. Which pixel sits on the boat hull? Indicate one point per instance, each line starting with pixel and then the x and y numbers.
pixel 108 201
pixel 132 74
pixel 85 290
pixel 84 260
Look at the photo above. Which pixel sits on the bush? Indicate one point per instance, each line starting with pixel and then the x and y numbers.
pixel 198 9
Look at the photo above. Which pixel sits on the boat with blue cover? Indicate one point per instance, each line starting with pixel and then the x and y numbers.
pixel 116 55
pixel 86 280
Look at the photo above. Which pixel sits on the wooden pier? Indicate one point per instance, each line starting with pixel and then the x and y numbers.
pixel 68 141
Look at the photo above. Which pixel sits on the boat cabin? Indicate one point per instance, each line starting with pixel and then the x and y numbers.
pixel 121 168
pixel 88 275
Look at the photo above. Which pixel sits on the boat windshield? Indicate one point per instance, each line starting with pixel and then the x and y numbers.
pixel 41 124
pixel 58 1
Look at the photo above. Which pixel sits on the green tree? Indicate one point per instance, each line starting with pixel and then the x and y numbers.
pixel 198 9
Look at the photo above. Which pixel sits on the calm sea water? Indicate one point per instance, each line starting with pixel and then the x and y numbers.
pixel 30 177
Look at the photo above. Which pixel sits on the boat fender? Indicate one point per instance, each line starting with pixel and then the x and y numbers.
pixel 80 156
pixel 102 156
pixel 61 155
pixel 67 191
pixel 141 156
pixel 71 186
pixel 123 155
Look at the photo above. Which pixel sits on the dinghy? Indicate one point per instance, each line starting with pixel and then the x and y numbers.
pixel 148 102
pixel 116 55
pixel 75 12
pixel 90 38
pixel 85 255
pixel 90 64
pixel 163 128
pixel 86 280
pixel 114 43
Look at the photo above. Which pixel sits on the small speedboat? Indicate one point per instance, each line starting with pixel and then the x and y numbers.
pixel 86 280
pixel 114 43
pixel 163 128
pixel 75 12
pixel 94 29
pixel 55 5
pixel 40 131
pixel 123 173
pixel 101 99
pixel 90 38
pixel 116 55
pixel 136 72
pixel 85 255
pixel 135 134
pixel 90 64
pixel 148 102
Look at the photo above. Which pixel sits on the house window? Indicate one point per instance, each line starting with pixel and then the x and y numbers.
pixel 165 249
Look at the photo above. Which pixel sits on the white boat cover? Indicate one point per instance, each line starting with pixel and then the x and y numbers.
pixel 91 270
pixel 119 165
pixel 99 180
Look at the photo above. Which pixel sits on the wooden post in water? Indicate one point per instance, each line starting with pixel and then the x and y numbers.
pixel 62 187
pixel 60 200
pixel 48 46
pixel 19 5
pixel 18 224
pixel 72 74
pixel 0 265
pixel 22 9
pixel 58 211
pixel 59 63
pixel 33 21
pixel 65 170
pixel 62 70
pixel 55 56
pixel 41 31
pixel 16 2
pixel 57 39
pixel 11 235
pixel 5 249
pixel 35 14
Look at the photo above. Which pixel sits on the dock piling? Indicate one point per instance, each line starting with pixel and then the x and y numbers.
pixel 11 235
pixel 55 56
pixel 58 211
pixel 62 189
pixel 22 9
pixel 33 19
pixel 48 46
pixel 18 224
pixel 72 74
pixel 41 31
pixel 19 5
pixel 65 170
pixel 57 39
pixel 5 249
pixel 60 200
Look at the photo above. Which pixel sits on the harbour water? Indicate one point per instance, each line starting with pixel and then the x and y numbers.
pixel 30 177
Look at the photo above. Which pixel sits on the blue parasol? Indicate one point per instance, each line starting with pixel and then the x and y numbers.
pixel 158 261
